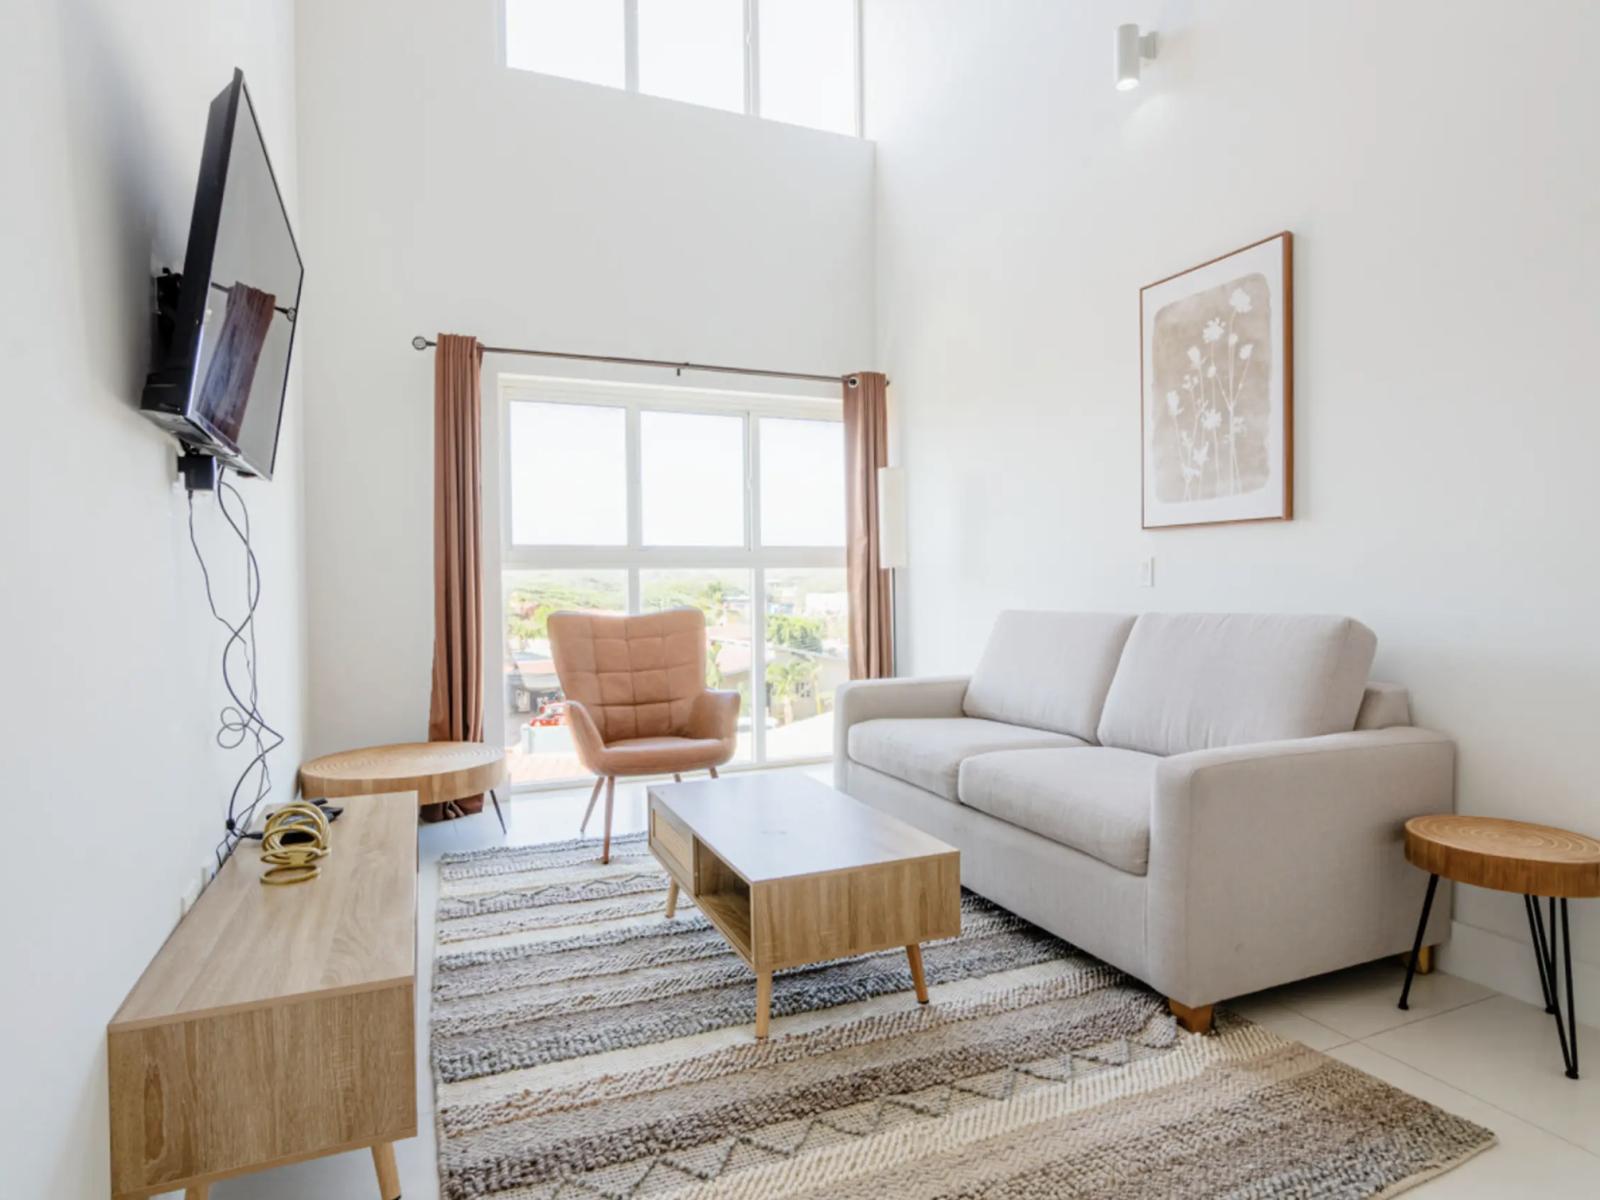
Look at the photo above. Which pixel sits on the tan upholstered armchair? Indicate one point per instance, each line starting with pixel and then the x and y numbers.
pixel 637 701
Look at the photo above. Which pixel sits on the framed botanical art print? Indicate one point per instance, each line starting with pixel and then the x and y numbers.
pixel 1217 377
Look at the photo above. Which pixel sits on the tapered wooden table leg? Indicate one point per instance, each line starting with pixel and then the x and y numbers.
pixel 918 980
pixel 388 1173
pixel 763 1002
pixel 672 898
pixel 200 1191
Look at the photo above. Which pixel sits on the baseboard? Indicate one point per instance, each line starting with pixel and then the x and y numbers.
pixel 1506 964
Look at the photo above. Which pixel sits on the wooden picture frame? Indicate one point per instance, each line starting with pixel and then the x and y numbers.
pixel 1216 390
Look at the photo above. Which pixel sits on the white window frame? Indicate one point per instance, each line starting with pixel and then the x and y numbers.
pixel 634 556
pixel 752 60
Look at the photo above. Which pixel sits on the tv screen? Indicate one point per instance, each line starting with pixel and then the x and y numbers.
pixel 224 364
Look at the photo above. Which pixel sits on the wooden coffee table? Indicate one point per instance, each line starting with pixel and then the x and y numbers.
pixel 438 772
pixel 792 872
pixel 1513 856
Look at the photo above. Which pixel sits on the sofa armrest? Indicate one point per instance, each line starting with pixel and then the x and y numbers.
pixel 1276 861
pixel 871 699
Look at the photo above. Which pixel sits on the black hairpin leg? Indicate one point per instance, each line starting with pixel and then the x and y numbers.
pixel 497 812
pixel 1544 950
pixel 1416 946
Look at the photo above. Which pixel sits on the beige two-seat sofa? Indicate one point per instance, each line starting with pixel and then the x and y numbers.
pixel 1211 802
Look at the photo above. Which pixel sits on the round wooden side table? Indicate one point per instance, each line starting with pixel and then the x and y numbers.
pixel 439 772
pixel 1513 856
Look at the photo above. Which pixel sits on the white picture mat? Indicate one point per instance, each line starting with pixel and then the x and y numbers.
pixel 1265 259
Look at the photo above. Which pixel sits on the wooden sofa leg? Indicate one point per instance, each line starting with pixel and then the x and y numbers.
pixel 1424 961
pixel 1195 1020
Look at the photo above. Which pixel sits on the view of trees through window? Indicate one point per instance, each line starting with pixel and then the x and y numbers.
pixel 776 619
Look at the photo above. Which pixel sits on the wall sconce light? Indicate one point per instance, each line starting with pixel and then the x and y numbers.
pixel 1131 48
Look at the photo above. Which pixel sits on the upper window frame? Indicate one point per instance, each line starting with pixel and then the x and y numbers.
pixel 634 399
pixel 752 64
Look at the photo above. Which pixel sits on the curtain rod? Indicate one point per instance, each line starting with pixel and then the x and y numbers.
pixel 422 343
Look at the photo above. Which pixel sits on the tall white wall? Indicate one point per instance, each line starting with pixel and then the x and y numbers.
pixel 1437 163
pixel 445 192
pixel 109 678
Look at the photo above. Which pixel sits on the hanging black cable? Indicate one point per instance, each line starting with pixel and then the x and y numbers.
pixel 240 721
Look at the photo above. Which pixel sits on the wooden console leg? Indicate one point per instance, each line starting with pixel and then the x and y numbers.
pixel 200 1191
pixel 763 1002
pixel 388 1173
pixel 1195 1020
pixel 918 981
pixel 672 898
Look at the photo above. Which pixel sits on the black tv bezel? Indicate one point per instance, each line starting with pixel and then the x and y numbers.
pixel 176 376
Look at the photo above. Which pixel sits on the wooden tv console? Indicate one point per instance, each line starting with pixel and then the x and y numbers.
pixel 277 1023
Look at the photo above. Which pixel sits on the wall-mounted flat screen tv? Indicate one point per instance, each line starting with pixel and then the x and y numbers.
pixel 226 336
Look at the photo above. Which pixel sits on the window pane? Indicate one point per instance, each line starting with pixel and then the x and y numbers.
pixel 569 465
pixel 577 39
pixel 693 469
pixel 693 50
pixel 808 63
pixel 802 482
pixel 724 596
pixel 808 657
pixel 539 743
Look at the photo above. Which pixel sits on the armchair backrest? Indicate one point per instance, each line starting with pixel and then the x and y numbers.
pixel 637 675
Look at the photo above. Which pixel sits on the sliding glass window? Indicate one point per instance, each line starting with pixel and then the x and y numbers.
pixel 628 498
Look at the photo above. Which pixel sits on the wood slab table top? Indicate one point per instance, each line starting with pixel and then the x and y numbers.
pixel 1508 856
pixel 438 772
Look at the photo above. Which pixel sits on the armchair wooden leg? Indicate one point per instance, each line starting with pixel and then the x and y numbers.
pixel 672 898
pixel 713 772
pixel 599 782
pixel 611 790
pixel 1195 1020
pixel 388 1173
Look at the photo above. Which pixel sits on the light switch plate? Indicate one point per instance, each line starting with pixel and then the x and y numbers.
pixel 1147 572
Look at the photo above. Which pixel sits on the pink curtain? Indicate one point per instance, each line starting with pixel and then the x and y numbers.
pixel 866 448
pixel 455 712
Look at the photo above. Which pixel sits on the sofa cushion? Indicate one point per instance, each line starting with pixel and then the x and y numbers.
pixel 928 751
pixel 1093 799
pixel 1049 670
pixel 1195 681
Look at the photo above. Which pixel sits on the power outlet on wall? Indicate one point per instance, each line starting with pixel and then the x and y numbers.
pixel 1147 572
pixel 191 894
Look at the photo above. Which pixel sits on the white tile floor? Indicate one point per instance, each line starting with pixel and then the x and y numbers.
pixel 1485 1056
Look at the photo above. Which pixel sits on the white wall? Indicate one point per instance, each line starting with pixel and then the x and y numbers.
pixel 115 788
pixel 444 192
pixel 1437 163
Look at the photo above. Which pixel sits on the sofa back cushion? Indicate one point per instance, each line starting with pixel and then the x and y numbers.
pixel 1193 681
pixel 1048 670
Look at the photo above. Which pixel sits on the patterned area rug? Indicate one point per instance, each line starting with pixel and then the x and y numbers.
pixel 584 1046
